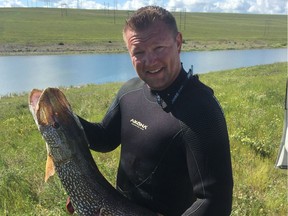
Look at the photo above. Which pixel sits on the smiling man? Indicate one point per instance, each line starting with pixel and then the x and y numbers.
pixel 175 155
pixel 154 52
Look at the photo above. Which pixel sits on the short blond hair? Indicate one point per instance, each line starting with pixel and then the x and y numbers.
pixel 147 16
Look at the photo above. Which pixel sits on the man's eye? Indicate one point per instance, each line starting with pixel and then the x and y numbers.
pixel 159 48
pixel 138 53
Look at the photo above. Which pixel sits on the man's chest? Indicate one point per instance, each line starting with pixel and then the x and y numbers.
pixel 147 134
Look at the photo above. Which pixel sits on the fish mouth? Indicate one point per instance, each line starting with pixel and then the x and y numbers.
pixel 46 105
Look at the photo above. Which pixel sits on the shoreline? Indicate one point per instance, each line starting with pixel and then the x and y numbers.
pixel 24 92
pixel 119 47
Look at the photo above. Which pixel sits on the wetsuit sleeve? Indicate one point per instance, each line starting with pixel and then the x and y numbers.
pixel 208 157
pixel 104 136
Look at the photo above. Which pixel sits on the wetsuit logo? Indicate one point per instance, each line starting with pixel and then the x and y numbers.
pixel 138 124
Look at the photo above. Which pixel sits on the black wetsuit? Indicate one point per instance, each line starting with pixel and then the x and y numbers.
pixel 173 161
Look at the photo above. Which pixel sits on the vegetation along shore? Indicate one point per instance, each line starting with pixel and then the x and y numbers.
pixel 37 31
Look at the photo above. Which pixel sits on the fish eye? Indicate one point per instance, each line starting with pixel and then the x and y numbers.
pixel 56 125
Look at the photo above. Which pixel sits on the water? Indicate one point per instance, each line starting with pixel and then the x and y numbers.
pixel 207 61
pixel 23 73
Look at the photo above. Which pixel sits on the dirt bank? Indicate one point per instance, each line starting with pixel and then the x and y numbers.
pixel 118 47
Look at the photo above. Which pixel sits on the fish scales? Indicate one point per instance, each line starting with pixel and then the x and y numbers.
pixel 68 148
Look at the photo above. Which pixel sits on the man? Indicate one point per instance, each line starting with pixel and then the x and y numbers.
pixel 175 156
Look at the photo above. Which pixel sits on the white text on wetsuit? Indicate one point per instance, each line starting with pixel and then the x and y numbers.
pixel 138 124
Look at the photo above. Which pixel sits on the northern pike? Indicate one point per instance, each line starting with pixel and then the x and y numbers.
pixel 69 155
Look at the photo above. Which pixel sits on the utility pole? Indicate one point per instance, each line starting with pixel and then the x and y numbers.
pixel 267 27
pixel 184 18
pixel 115 8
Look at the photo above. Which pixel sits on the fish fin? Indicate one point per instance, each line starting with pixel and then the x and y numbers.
pixel 50 168
pixel 69 206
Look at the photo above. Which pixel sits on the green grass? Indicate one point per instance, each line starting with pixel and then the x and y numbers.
pixel 252 99
pixel 42 26
pixel 253 102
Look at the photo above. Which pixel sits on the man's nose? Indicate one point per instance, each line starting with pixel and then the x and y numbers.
pixel 150 58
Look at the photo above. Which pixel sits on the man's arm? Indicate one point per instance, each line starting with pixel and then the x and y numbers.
pixel 208 157
pixel 211 176
pixel 104 136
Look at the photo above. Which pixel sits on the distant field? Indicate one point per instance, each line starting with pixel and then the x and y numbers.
pixel 81 30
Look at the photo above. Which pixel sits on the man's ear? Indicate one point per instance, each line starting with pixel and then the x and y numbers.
pixel 179 41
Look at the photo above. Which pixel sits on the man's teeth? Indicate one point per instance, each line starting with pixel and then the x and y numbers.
pixel 155 71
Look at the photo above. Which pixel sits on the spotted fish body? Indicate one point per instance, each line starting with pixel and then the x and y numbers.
pixel 69 155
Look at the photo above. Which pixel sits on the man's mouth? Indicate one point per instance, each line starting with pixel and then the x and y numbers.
pixel 154 71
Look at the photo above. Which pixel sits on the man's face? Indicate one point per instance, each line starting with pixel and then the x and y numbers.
pixel 155 54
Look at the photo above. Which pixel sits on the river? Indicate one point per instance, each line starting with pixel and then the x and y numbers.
pixel 23 73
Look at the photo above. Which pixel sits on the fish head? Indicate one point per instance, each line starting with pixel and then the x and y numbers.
pixel 56 121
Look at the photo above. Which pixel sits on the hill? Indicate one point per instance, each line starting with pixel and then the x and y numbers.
pixel 51 30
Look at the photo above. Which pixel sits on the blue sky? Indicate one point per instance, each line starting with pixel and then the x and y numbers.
pixel 225 6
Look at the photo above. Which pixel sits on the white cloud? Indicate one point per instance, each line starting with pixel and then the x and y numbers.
pixel 87 4
pixel 135 4
pixel 230 6
pixel 252 6
pixel 188 5
pixel 11 3
pixel 268 7
pixel 235 6
pixel 132 5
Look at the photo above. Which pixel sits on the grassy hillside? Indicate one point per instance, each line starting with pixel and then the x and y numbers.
pixel 28 29
pixel 252 99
